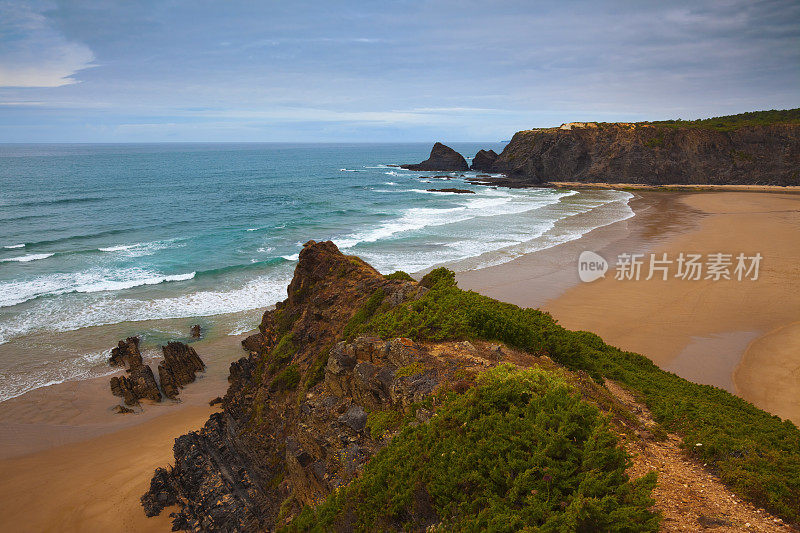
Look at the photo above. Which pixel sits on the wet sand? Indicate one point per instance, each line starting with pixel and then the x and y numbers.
pixel 94 485
pixel 69 463
pixel 738 335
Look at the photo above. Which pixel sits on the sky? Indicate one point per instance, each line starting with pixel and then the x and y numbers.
pixel 382 71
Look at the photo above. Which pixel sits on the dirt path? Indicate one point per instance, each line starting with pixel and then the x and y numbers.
pixel 689 497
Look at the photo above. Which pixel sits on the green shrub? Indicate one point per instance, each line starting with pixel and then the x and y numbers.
pixel 365 313
pixel 399 275
pixel 317 371
pixel 379 422
pixel 519 451
pixel 732 122
pixel 287 379
pixel 282 353
pixel 753 452
pixel 438 275
pixel 414 369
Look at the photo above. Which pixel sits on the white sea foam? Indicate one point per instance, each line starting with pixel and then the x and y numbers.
pixel 111 285
pixel 75 311
pixel 75 367
pixel 488 203
pixel 27 258
pixel 141 249
pixel 118 248
pixel 293 257
pixel 94 280
pixel 13 246
pixel 350 170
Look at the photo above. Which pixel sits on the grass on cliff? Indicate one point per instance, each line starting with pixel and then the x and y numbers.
pixel 753 452
pixel 732 122
pixel 520 451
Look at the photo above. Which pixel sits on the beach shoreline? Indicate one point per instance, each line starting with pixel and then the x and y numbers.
pixel 723 333
pixel 64 450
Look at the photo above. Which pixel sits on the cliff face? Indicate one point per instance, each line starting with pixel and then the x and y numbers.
pixel 293 426
pixel 306 413
pixel 628 153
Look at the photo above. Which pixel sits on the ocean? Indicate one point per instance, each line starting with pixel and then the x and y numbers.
pixel 146 238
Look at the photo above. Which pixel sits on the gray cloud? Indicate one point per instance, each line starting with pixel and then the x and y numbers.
pixel 33 53
pixel 407 70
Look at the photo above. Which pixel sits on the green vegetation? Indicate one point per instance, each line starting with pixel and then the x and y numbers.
pixel 517 452
pixel 379 422
pixel 399 275
pixel 287 379
pixel 365 313
pixel 282 353
pixel 655 142
pixel 317 371
pixel 414 369
pixel 732 122
pixel 755 453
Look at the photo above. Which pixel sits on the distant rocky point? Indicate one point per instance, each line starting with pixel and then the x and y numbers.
pixel 758 148
pixel 442 158
pixel 457 191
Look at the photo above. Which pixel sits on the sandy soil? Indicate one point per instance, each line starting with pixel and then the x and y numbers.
pixel 678 187
pixel 689 497
pixel 68 463
pixel 93 485
pixel 740 335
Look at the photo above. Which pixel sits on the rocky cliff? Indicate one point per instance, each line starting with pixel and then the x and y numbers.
pixel 654 154
pixel 321 418
pixel 442 158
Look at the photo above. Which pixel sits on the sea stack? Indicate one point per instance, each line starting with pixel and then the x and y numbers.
pixel 484 160
pixel 442 158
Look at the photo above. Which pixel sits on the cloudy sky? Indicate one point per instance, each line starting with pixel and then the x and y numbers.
pixel 170 70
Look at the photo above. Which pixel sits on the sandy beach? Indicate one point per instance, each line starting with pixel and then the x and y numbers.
pixel 739 335
pixel 69 464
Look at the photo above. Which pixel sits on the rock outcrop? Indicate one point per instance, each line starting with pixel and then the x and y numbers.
pixel 484 160
pixel 653 155
pixel 196 331
pixel 457 191
pixel 442 158
pixel 179 367
pixel 139 384
pixel 274 449
pixel 126 353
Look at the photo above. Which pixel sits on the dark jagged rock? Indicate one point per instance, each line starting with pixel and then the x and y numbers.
pixel 215 401
pixel 211 473
pixel 442 158
pixel 253 343
pixel 139 384
pixel 196 331
pixel 457 191
pixel 484 160
pixel 122 410
pixel 179 367
pixel 355 418
pixel 273 450
pixel 652 155
pixel 126 353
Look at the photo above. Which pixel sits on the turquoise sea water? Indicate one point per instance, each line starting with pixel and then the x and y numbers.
pixel 103 234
